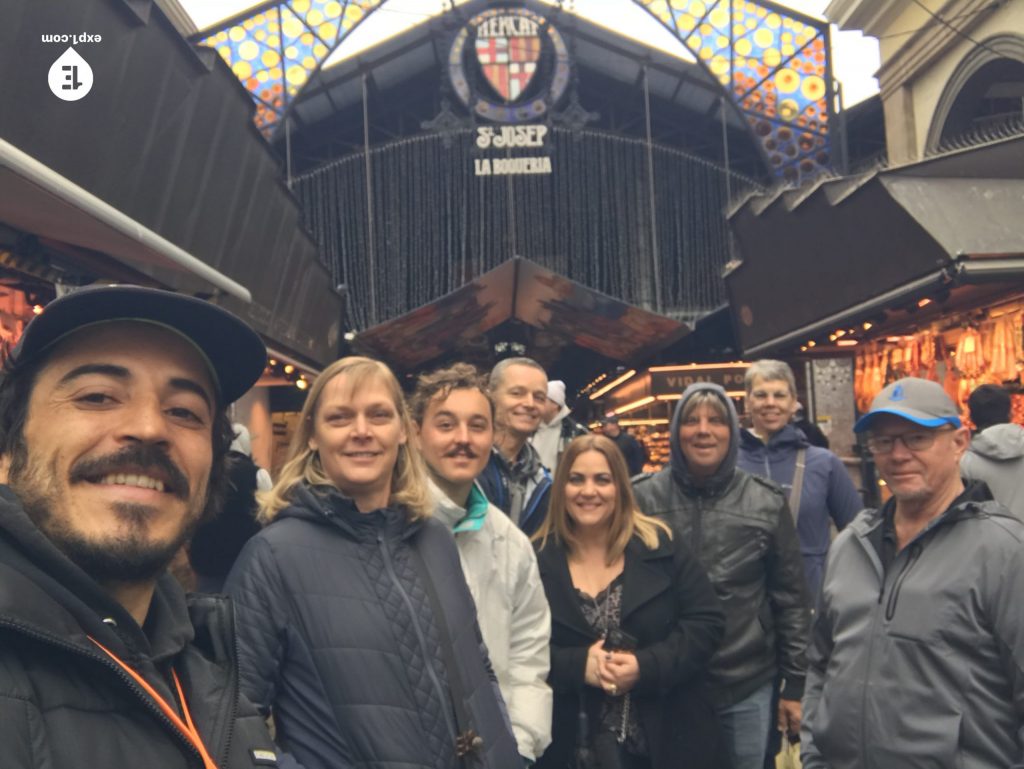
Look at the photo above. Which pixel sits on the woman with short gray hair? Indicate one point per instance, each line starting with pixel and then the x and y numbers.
pixel 818 486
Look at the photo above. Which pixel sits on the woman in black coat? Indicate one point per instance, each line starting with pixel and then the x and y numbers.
pixel 634 622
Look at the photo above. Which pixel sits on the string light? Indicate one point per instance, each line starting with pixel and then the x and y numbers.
pixel 619 380
pixel 289 372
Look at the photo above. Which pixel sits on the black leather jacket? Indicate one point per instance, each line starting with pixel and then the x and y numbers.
pixel 740 528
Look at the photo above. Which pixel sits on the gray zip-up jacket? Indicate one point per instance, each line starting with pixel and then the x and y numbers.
pixel 922 665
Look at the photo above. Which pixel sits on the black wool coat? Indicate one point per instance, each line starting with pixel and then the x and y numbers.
pixel 669 606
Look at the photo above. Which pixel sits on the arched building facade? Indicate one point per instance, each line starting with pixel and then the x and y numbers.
pixel 620 163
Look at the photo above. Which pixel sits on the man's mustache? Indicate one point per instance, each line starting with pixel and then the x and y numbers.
pixel 136 459
pixel 463 450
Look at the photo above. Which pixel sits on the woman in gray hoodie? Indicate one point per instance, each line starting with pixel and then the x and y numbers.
pixel 740 529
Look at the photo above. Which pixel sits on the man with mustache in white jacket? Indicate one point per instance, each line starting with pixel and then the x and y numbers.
pixel 454 416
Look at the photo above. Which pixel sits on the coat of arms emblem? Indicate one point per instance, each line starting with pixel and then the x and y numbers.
pixel 509 65
pixel 508 49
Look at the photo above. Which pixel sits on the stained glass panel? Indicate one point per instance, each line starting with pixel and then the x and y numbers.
pixel 774 64
pixel 276 48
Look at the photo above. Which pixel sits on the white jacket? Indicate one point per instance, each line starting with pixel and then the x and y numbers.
pixel 501 570
pixel 548 440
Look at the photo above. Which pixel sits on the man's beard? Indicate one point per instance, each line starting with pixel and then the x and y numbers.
pixel 128 558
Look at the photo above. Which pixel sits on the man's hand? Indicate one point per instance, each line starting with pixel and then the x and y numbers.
pixel 789 717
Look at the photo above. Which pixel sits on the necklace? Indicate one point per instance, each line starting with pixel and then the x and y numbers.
pixel 603 613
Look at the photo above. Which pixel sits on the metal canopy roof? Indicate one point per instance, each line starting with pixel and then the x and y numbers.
pixel 520 290
pixel 37 200
pixel 424 47
pixel 824 257
pixel 158 163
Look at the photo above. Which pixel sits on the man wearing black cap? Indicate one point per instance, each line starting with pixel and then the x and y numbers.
pixel 113 435
pixel 917 653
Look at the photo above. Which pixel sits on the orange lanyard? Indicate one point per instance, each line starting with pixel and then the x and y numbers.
pixel 186 727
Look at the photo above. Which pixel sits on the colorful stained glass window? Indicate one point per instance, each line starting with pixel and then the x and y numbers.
pixel 275 48
pixel 774 64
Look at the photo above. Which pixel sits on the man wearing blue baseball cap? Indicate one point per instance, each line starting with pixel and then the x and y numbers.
pixel 113 440
pixel 917 652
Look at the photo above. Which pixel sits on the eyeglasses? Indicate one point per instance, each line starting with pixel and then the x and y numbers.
pixel 916 441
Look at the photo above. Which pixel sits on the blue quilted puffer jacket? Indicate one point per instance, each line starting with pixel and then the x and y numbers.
pixel 340 643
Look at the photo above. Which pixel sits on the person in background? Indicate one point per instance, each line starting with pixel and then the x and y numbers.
pixel 635 622
pixel 917 654
pixel 113 441
pixel 218 541
pixel 740 529
pixel 819 489
pixel 814 434
pixel 454 418
pixel 996 454
pixel 357 631
pixel 632 450
pixel 557 428
pixel 775 449
pixel 514 479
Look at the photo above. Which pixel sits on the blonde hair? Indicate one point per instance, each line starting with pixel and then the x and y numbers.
pixel 409 477
pixel 627 521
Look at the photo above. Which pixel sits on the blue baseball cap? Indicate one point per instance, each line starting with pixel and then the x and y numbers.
pixel 920 401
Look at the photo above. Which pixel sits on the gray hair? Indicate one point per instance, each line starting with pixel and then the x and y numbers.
pixel 770 371
pixel 498 372
pixel 704 398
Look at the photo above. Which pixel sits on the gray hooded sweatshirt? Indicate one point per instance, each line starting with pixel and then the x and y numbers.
pixel 996 457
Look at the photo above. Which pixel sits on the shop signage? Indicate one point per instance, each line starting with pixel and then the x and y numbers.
pixel 509 65
pixel 674 382
pixel 507 137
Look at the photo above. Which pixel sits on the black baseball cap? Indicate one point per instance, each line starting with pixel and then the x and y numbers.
pixel 233 352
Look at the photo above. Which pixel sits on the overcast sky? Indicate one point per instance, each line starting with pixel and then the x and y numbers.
pixel 854 57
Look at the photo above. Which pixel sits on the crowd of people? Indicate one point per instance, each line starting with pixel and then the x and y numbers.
pixel 467 577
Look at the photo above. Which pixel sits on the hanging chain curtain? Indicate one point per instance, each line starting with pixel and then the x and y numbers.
pixel 437 225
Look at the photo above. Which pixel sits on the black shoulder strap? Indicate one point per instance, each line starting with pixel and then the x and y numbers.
pixel 468 740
